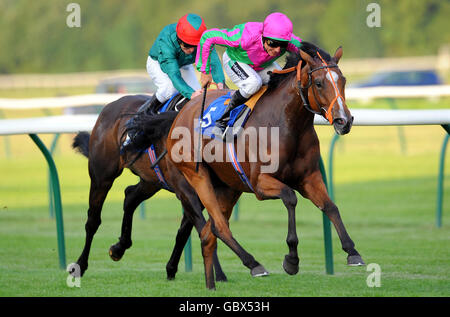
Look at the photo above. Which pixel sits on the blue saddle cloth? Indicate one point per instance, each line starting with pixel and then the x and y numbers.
pixel 215 110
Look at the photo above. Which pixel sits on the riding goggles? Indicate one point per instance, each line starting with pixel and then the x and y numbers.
pixel 274 43
pixel 185 45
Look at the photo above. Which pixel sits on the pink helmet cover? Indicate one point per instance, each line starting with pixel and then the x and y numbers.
pixel 277 26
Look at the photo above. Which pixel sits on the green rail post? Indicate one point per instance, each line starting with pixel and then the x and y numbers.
pixel 400 131
pixel 57 199
pixel 236 211
pixel 51 201
pixel 440 190
pixel 188 254
pixel 142 210
pixel 327 230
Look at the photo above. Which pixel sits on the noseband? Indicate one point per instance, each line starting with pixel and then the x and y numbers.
pixel 303 90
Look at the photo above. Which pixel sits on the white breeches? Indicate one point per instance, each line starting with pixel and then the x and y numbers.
pixel 246 78
pixel 163 82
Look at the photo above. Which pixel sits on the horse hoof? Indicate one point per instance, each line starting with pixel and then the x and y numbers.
pixel 221 278
pixel 83 268
pixel 171 272
pixel 116 253
pixel 170 278
pixel 290 265
pixel 259 271
pixel 355 260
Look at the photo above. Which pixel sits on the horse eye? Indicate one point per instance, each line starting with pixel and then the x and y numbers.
pixel 318 84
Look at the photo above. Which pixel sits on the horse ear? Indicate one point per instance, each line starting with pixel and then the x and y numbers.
pixel 306 57
pixel 338 54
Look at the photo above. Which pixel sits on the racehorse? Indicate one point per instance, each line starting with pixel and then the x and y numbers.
pixel 310 84
pixel 106 163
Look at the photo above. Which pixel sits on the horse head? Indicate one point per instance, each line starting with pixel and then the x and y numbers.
pixel 324 82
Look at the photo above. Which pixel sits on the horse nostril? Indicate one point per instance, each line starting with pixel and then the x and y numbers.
pixel 340 121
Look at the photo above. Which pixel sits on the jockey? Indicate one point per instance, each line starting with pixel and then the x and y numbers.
pixel 170 60
pixel 252 49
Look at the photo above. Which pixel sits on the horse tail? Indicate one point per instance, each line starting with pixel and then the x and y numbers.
pixel 149 129
pixel 81 143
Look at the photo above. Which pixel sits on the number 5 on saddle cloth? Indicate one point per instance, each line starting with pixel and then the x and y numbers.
pixel 238 116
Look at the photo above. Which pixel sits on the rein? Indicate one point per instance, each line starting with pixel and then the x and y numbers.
pixel 301 88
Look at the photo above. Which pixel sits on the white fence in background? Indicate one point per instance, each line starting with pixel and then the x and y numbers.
pixel 429 92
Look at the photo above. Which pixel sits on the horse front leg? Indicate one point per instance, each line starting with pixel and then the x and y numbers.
pixel 134 196
pixel 183 235
pixel 268 187
pixel 192 216
pixel 314 189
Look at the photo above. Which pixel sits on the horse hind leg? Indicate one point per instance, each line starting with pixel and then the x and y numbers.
pixel 134 196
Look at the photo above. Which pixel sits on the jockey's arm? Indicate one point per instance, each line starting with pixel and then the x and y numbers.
pixel 169 65
pixel 207 58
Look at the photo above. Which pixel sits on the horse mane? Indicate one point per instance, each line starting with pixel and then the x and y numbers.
pixel 292 60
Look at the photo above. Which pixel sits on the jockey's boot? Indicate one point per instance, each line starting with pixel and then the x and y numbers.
pixel 150 106
pixel 236 100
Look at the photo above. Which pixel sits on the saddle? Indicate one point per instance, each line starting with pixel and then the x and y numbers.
pixel 238 116
pixel 175 103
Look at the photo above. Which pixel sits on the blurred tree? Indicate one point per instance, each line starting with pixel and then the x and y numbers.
pixel 117 34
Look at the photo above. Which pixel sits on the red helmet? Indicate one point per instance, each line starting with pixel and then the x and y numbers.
pixel 190 28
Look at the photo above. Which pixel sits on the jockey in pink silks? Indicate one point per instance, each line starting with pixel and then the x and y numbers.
pixel 252 49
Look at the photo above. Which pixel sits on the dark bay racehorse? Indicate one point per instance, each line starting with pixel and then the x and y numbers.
pixel 106 164
pixel 313 85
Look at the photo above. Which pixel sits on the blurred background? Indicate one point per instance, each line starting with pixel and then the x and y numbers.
pixel 115 36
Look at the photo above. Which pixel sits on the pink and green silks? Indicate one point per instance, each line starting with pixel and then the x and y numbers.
pixel 244 44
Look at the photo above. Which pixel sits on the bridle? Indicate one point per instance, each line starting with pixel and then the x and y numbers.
pixel 303 90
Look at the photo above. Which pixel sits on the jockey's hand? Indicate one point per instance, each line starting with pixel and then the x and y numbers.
pixel 205 79
pixel 220 86
pixel 196 93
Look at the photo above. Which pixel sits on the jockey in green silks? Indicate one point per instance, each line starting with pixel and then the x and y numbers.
pixel 170 60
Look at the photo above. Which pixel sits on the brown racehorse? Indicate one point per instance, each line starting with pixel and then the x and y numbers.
pixel 106 164
pixel 313 85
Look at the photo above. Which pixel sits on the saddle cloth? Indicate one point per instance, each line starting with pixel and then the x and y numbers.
pixel 238 116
